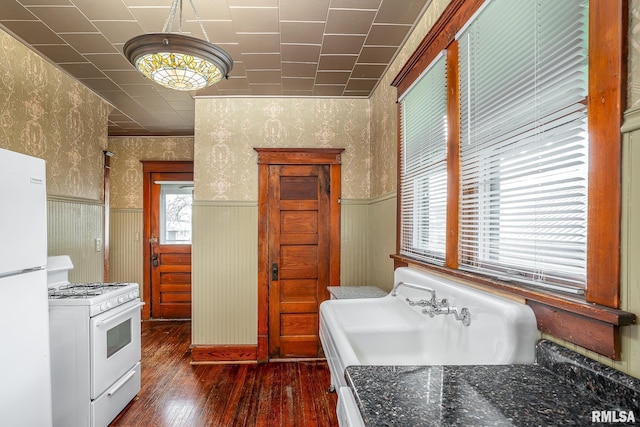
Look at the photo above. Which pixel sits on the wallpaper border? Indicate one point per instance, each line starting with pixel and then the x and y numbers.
pixel 79 200
pixel 225 203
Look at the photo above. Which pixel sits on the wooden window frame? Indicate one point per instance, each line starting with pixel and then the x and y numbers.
pixel 592 322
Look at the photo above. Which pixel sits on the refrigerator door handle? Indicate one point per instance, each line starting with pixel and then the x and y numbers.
pixel 23 271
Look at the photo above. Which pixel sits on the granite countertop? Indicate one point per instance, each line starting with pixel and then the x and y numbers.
pixel 347 292
pixel 562 388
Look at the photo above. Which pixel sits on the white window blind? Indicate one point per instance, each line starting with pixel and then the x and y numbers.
pixel 524 142
pixel 423 174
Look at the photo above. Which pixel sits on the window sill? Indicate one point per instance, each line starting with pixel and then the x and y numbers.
pixel 591 326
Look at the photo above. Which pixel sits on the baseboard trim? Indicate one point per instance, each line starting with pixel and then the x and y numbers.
pixel 224 354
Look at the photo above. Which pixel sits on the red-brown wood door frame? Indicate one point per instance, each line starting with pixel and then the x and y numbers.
pixel 294 156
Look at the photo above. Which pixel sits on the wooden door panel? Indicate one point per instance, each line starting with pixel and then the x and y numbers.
pixel 177 259
pixel 299 346
pixel 298 187
pixel 294 324
pixel 292 205
pixel 175 294
pixel 298 307
pixel 299 256
pixel 173 277
pixel 298 290
pixel 299 239
pixel 298 222
pixel 298 296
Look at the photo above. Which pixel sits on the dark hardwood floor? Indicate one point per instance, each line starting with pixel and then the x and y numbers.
pixel 176 393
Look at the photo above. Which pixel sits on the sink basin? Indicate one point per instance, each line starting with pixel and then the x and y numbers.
pixel 388 331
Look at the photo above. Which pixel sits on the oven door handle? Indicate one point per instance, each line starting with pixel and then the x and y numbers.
pixel 120 384
pixel 118 315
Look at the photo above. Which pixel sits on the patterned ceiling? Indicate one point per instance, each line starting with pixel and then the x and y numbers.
pixel 299 48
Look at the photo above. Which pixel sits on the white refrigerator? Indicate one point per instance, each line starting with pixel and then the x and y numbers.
pixel 25 370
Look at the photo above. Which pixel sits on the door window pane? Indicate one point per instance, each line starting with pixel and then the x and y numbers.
pixel 175 213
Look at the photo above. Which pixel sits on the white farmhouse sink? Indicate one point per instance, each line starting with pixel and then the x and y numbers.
pixel 388 331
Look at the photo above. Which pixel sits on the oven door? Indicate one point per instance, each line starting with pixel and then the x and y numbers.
pixel 115 345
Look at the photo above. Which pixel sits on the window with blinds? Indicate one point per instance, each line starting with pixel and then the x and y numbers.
pixel 524 142
pixel 523 147
pixel 423 174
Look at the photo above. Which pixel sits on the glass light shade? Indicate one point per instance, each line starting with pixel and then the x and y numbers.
pixel 178 62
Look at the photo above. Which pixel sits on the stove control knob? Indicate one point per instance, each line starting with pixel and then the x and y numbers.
pixel 103 306
pixel 133 295
pixel 120 300
pixel 109 305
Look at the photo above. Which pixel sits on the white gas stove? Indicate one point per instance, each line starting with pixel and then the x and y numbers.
pixel 99 297
pixel 95 347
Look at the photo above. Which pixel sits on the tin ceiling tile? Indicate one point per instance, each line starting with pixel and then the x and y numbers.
pixel 305 11
pixel 322 48
pixel 348 21
pixel 12 10
pixel 64 19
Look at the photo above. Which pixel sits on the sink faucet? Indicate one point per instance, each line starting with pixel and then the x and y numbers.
pixel 464 315
pixel 394 291
pixel 423 302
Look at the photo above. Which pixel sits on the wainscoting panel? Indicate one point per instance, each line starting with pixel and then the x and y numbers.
pixel 73 226
pixel 125 246
pixel 354 250
pixel 225 273
pixel 630 244
pixel 382 240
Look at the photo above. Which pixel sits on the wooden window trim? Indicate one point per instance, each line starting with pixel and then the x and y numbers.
pixel 592 323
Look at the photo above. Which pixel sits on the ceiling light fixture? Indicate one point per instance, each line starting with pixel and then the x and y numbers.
pixel 177 61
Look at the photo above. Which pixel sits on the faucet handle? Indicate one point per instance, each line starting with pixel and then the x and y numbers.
pixel 465 316
pixel 420 303
pixel 431 311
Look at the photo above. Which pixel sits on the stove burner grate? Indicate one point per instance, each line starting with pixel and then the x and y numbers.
pixel 83 290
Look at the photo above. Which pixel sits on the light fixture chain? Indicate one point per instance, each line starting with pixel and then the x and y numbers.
pixel 180 21
pixel 168 24
pixel 195 12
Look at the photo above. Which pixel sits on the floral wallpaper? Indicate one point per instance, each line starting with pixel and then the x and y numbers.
pixel 126 169
pixel 384 112
pixel 228 129
pixel 47 114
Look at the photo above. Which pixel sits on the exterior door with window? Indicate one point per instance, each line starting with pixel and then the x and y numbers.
pixel 168 252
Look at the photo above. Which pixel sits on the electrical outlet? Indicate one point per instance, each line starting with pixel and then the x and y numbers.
pixel 98 244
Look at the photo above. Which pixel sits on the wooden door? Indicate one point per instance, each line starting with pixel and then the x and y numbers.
pixel 167 257
pixel 299 257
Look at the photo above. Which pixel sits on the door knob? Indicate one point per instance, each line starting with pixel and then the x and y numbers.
pixel 274 271
pixel 154 260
